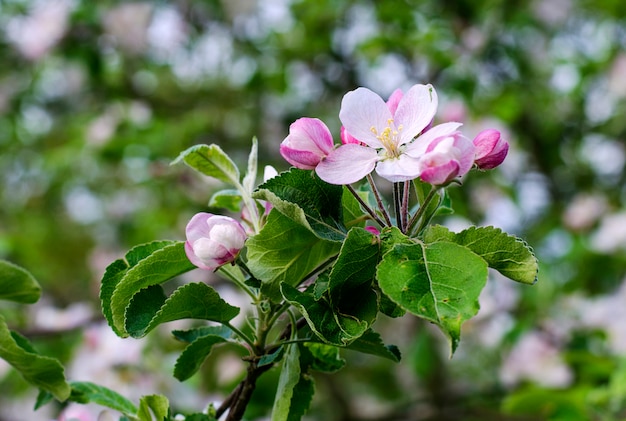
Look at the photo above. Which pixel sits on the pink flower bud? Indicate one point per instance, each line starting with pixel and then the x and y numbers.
pixel 372 230
pixel 446 158
pixel 308 142
pixel 491 149
pixel 213 240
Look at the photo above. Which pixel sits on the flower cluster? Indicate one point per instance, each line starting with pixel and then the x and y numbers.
pixel 397 139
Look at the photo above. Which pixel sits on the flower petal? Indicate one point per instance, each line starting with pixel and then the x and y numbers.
pixel 197 227
pixel 394 100
pixel 441 174
pixel 314 129
pixel 466 152
pixel 419 146
pixel 361 111
pixel 347 164
pixel 403 168
pixel 415 111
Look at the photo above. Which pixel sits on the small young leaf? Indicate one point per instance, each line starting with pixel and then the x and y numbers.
pixel 509 255
pixel 85 392
pixel 156 405
pixel 159 266
pixel 190 301
pixel 306 199
pixel 194 355
pixel 211 161
pixel 41 371
pixel 440 282
pixel 17 284
pixel 249 180
pixel 226 199
pixel 284 251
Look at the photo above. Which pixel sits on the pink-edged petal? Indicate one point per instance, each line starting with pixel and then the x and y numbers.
pixel 419 146
pixel 305 160
pixel 466 150
pixel 195 259
pixel 415 111
pixel 315 130
pixel 347 164
pixel 441 174
pixel 347 138
pixel 394 100
pixel 197 227
pixel 361 111
pixel 403 168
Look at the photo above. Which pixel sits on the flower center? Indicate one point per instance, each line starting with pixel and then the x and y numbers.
pixel 389 138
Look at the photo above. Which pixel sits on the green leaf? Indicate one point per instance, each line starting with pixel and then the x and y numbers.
pixel 226 199
pixel 440 282
pixel 197 332
pixel 324 358
pixel 371 343
pixel 284 251
pixel 194 355
pixel 249 180
pixel 301 398
pixel 41 371
pixel 355 265
pixel 211 161
pixel 549 404
pixel 289 377
pixel 153 408
pixel 328 323
pixel 116 271
pixel 306 199
pixel 149 308
pixel 509 255
pixel 352 212
pixel 85 392
pixel 17 284
pixel 157 267
pixel 275 356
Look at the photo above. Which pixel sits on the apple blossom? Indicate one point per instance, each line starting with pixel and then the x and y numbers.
pixel 213 240
pixel 390 135
pixel 491 149
pixel 447 156
pixel 308 142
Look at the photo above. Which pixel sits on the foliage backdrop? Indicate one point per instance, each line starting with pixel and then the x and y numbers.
pixel 97 98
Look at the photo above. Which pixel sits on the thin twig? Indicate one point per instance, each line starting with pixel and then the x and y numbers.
pixel 365 206
pixel 379 201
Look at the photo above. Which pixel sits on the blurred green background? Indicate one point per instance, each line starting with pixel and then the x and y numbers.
pixel 97 98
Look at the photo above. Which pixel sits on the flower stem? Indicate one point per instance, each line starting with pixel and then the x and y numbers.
pixel 240 334
pixel 365 206
pixel 224 271
pixel 405 205
pixel 397 199
pixel 379 201
pixel 420 212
